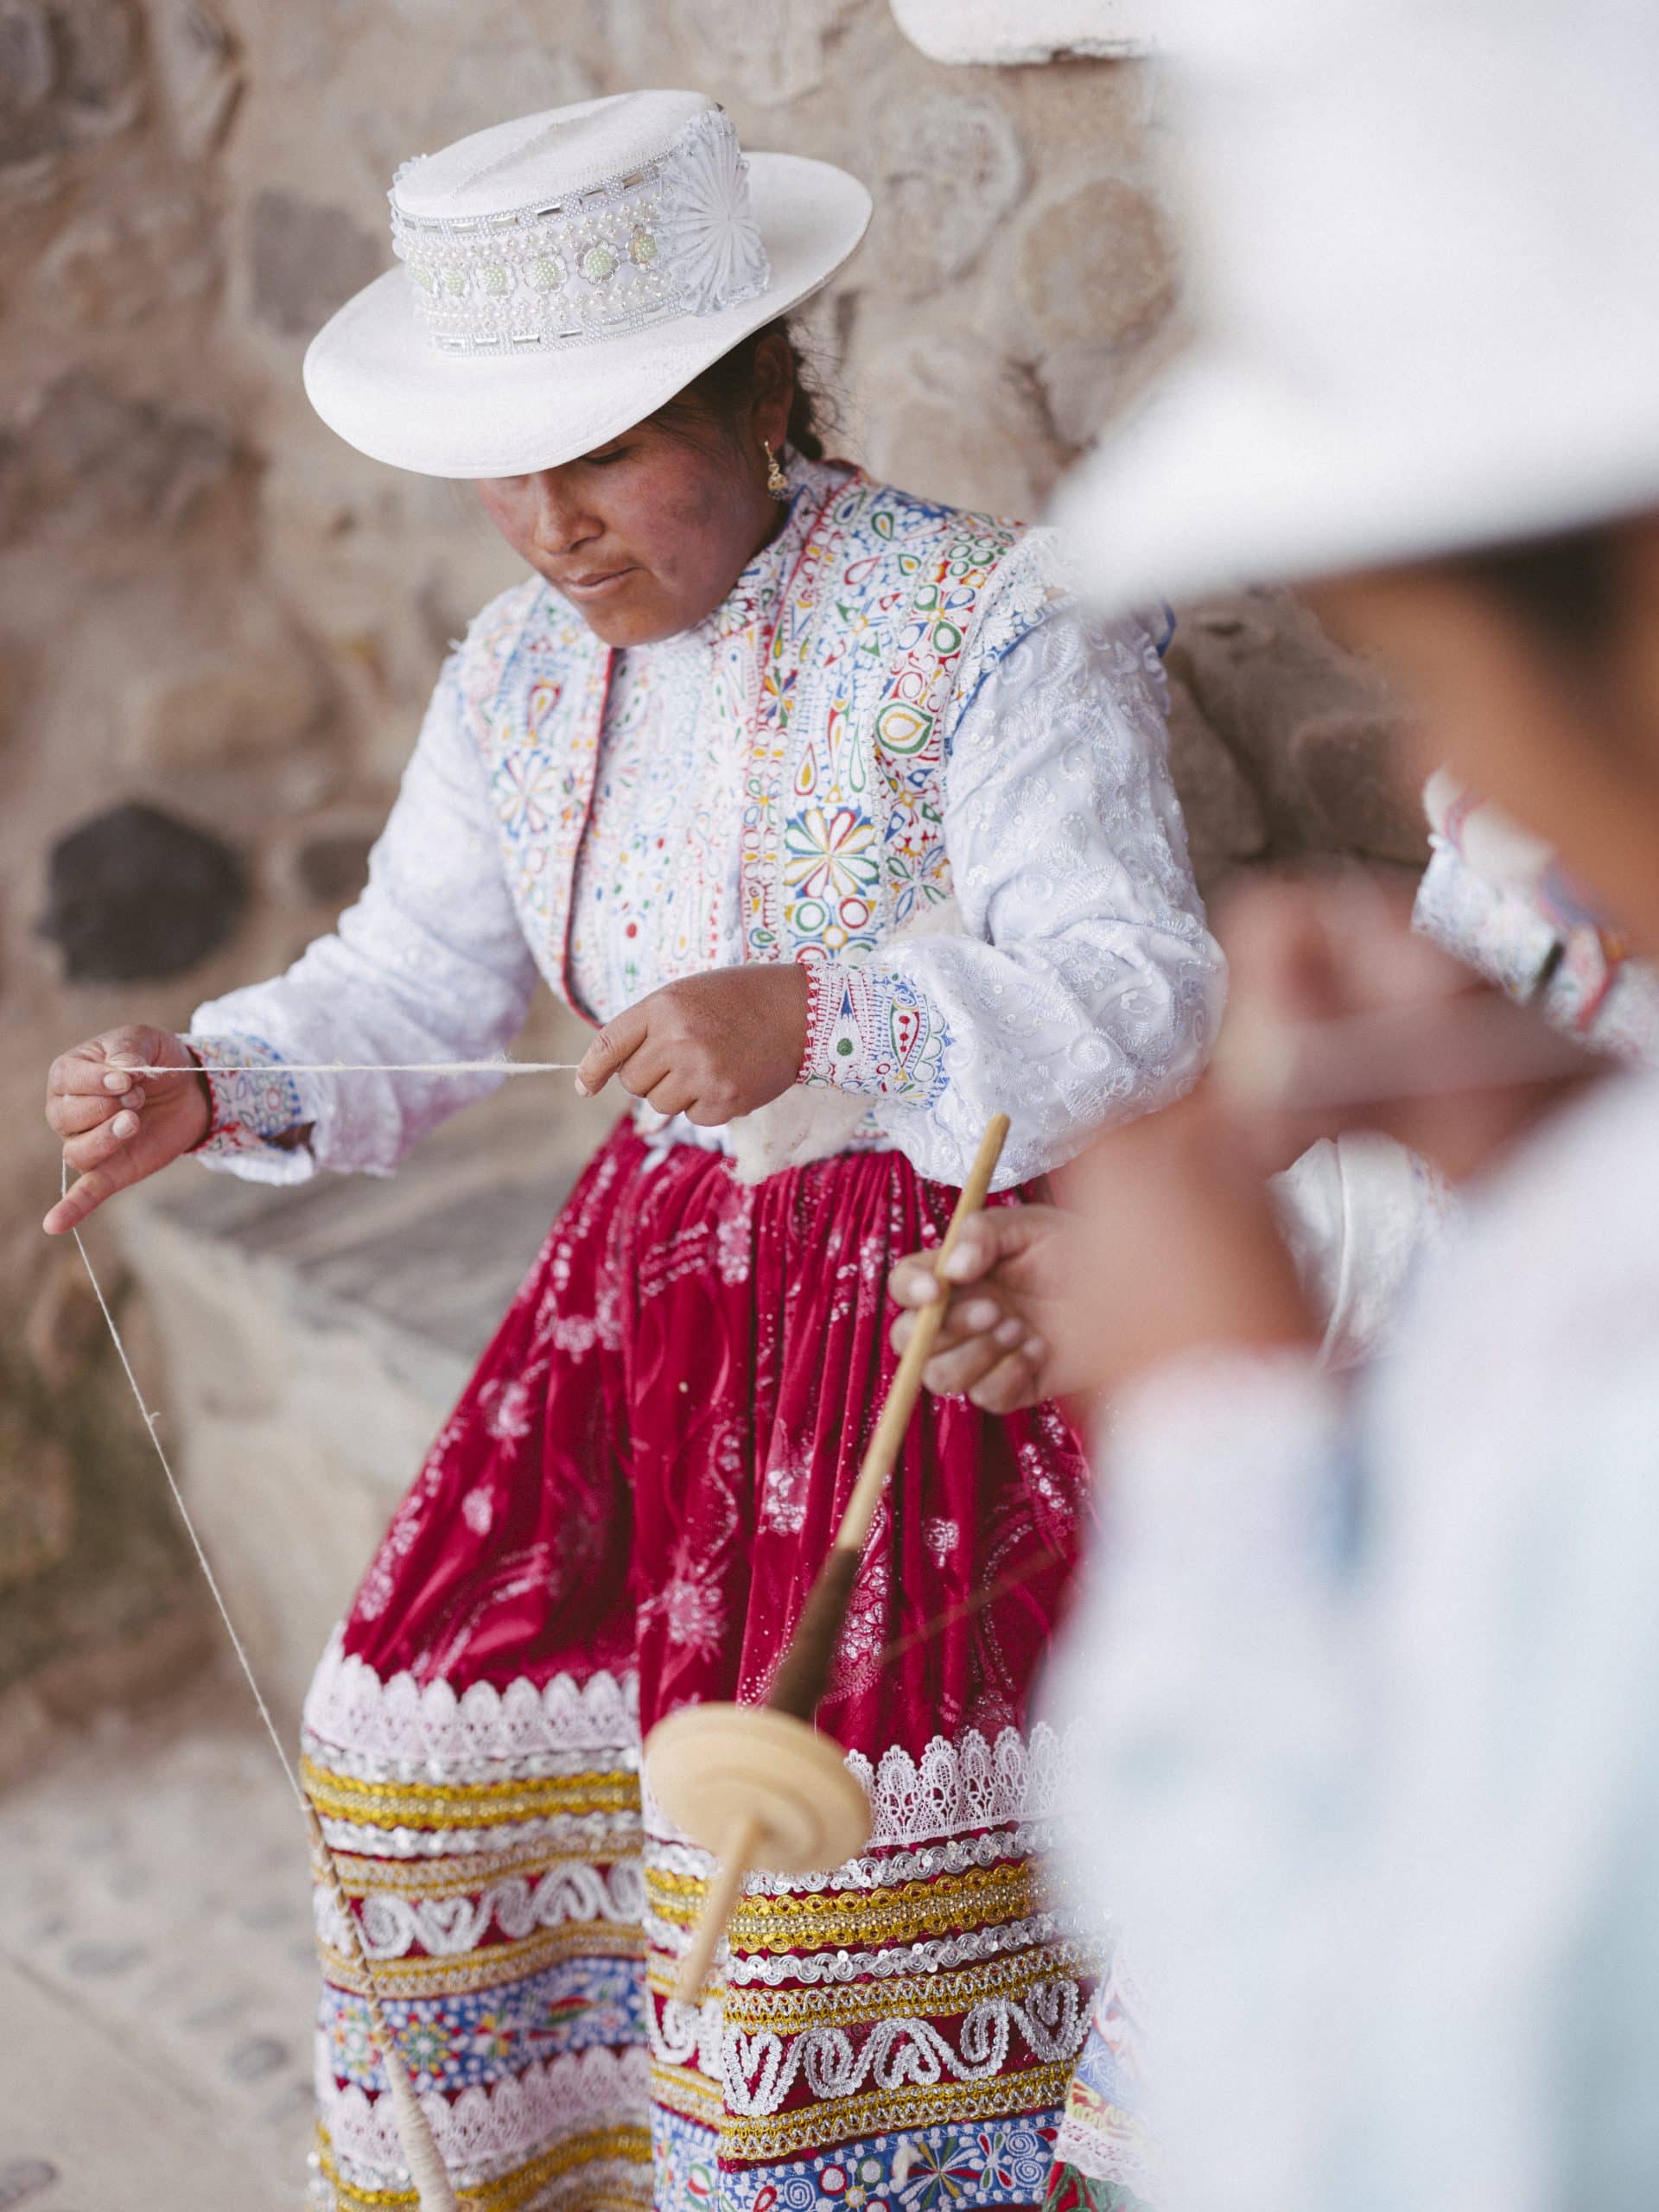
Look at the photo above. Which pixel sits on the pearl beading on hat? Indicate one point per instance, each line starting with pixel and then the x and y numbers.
pixel 675 236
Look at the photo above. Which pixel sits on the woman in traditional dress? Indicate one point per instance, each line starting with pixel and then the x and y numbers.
pixel 825 802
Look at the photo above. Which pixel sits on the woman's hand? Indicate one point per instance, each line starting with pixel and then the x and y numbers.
pixel 710 1046
pixel 1171 1246
pixel 1306 955
pixel 1010 1335
pixel 1184 1250
pixel 116 1128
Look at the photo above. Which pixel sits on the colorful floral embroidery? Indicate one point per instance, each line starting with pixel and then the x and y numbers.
pixel 872 1033
pixel 1070 2189
pixel 839 666
pixel 258 1100
pixel 924 2169
pixel 832 860
pixel 450 2042
pixel 1109 2156
pixel 943 2171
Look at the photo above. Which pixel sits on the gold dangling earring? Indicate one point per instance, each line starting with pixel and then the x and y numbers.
pixel 777 482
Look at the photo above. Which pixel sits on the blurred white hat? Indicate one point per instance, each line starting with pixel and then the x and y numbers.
pixel 566 274
pixel 1425 251
pixel 1035 31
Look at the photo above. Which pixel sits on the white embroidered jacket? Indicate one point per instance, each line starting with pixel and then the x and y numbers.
pixel 896 752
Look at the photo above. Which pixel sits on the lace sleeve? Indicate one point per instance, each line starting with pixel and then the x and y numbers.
pixel 1083 986
pixel 1359 1212
pixel 429 965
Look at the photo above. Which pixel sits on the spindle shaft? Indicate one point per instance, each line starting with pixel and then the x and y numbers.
pixel 720 1902
pixel 425 2161
pixel 882 1453
pixel 746 1837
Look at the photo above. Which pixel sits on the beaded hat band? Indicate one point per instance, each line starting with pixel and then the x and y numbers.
pixel 561 275
pixel 673 236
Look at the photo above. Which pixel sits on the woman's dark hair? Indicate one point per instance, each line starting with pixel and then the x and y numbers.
pixel 1567 586
pixel 726 387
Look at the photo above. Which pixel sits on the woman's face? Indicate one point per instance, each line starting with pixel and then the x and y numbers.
pixel 646 535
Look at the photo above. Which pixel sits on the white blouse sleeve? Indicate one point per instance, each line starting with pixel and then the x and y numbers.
pixel 429 965
pixel 1359 1212
pixel 1082 986
pixel 1211 1685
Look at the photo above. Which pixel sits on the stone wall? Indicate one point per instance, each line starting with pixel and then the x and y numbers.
pixel 213 611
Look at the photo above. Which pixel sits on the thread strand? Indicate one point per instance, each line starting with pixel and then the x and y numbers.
pixel 370 1067
pixel 151 1421
pixel 424 2159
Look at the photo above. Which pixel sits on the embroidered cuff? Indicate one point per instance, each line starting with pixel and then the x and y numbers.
pixel 1500 934
pixel 871 1033
pixel 257 1100
pixel 1521 939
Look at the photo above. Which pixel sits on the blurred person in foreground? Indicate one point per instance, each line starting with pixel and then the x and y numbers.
pixel 1371 1673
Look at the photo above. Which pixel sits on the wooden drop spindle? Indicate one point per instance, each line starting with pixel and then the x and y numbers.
pixel 433 2189
pixel 757 1784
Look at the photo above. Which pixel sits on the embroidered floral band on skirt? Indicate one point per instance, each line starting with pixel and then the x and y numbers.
pixel 1106 2159
pixel 621 1517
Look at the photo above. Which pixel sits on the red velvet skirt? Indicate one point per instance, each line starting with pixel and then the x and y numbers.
pixel 622 1517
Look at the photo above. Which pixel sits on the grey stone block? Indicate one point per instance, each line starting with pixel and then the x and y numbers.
pixel 200 66
pixel 1035 31
pixel 772 51
pixel 134 894
pixel 1098 267
pixel 952 169
pixel 1313 728
pixel 305 259
pixel 88 459
pixel 69 73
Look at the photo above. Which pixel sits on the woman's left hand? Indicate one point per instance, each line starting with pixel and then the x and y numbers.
pixel 710 1046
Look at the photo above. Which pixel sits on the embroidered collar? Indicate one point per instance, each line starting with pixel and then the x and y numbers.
pixel 753 600
pixel 749 609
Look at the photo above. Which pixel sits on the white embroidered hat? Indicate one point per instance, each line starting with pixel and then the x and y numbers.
pixel 565 274
pixel 1425 237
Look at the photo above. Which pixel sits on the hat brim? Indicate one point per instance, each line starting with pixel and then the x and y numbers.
pixel 1229 477
pixel 375 376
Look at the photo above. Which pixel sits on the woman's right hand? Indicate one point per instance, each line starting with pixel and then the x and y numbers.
pixel 117 1128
